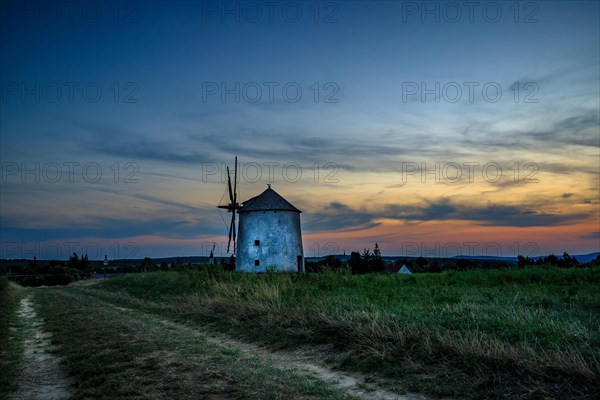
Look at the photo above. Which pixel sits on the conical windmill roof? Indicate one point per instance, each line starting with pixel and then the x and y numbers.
pixel 269 200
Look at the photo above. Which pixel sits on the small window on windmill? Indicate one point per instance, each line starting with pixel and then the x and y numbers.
pixel 256 263
pixel 257 242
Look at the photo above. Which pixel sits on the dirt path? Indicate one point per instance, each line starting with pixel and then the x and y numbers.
pixel 42 377
pixel 353 384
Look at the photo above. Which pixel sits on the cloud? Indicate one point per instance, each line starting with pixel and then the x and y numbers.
pixel 395 186
pixel 112 228
pixel 580 129
pixel 351 149
pixel 151 149
pixel 592 236
pixel 489 215
pixel 563 168
pixel 216 142
pixel 339 216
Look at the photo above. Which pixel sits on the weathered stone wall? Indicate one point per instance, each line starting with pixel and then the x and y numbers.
pixel 280 241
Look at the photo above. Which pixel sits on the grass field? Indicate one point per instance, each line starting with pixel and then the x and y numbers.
pixel 113 353
pixel 532 333
pixel 506 333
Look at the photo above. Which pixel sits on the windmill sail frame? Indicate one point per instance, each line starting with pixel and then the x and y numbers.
pixel 232 207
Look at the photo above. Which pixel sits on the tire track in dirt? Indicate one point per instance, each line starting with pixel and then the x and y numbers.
pixel 353 384
pixel 42 377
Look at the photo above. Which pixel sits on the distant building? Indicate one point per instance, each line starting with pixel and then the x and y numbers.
pixel 404 270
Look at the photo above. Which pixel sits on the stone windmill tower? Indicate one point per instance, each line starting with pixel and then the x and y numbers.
pixel 269 230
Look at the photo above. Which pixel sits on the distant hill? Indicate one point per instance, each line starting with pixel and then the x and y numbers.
pixel 582 258
pixel 507 259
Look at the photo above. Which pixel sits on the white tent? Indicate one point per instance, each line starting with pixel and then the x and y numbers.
pixel 404 270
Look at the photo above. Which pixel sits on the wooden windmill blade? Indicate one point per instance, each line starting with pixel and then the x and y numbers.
pixel 234 199
pixel 231 198
pixel 233 228
pixel 231 231
pixel 234 202
pixel 232 206
pixel 232 210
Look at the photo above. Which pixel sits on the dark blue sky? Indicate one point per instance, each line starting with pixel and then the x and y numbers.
pixel 160 117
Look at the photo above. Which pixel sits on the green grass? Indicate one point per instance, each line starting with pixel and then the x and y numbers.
pixel 529 333
pixel 11 344
pixel 115 353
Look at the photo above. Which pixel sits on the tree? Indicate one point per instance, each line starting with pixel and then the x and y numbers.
pixel 366 261
pixel 435 267
pixel 567 261
pixel 462 264
pixel 377 260
pixel 146 264
pixel 332 262
pixel 74 261
pixel 84 263
pixel 551 259
pixel 524 261
pixel 355 263
pixel 420 265
pixel 540 261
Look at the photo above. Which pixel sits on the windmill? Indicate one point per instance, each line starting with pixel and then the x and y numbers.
pixel 232 207
pixel 268 234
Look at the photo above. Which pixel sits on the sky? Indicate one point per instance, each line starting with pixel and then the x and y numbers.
pixel 431 128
